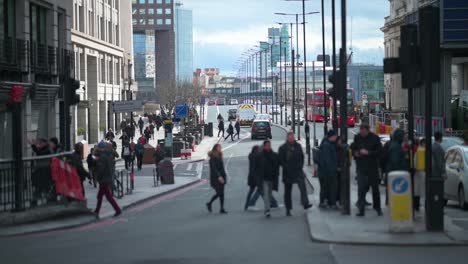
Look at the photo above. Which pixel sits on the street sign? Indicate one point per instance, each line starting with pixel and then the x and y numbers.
pixel 454 21
pixel 127 106
pixel 400 201
pixel 181 111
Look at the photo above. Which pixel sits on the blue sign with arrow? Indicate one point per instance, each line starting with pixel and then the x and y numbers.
pixel 400 185
pixel 181 111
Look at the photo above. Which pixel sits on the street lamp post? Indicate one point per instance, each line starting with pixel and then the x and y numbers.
pixel 325 127
pixel 335 107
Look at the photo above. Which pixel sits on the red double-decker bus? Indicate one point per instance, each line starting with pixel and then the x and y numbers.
pixel 315 107
pixel 316 103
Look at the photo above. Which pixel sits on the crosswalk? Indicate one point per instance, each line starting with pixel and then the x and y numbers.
pixel 191 169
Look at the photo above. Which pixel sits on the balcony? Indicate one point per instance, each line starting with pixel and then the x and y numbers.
pixel 13 55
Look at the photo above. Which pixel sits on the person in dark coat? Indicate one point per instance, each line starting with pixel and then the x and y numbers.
pixel 41 175
pixel 438 157
pixel 291 158
pixel 251 178
pixel 110 134
pixel 238 128
pixel 140 151
pixel 218 177
pixel 141 124
pixel 77 162
pixel 366 149
pixel 268 177
pixel 397 157
pixel 230 132
pixel 158 121
pixel 327 170
pixel 123 126
pixel 221 127
pixel 92 167
pixel 105 177
pixel 55 146
pixel 147 134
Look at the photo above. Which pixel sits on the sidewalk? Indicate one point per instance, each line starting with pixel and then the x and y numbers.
pixel 330 226
pixel 76 214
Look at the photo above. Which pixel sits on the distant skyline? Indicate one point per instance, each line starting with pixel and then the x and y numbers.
pixel 223 29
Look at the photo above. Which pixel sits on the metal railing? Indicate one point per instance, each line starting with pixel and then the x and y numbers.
pixel 35 183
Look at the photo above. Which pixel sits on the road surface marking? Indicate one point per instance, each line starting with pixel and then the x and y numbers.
pixel 189 167
pixel 166 197
pixel 237 142
pixel 199 169
pixel 227 166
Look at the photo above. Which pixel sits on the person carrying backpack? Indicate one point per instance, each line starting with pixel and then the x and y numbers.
pixel 127 154
pixel 139 152
pixel 230 132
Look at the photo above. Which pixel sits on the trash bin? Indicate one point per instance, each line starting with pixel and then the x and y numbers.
pixel 166 171
pixel 148 155
pixel 177 148
pixel 210 129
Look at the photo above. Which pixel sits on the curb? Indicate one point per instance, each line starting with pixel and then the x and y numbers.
pixel 92 217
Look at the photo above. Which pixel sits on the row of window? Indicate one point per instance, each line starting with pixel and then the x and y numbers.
pixel 151 21
pixel 151 1
pixel 150 11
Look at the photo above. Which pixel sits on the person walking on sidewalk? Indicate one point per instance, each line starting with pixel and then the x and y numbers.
pixel 327 169
pixel 127 154
pixel 420 175
pixel 238 128
pixel 140 151
pixel 217 177
pixel 221 127
pixel 141 124
pixel 147 134
pixel 110 134
pixel 105 176
pixel 123 126
pixel 92 167
pixel 268 178
pixel 438 156
pixel 230 132
pixel 291 158
pixel 366 149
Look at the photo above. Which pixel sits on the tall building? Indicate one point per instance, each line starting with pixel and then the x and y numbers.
pixel 183 19
pixel 35 55
pixel 102 54
pixel 154 33
pixel 279 38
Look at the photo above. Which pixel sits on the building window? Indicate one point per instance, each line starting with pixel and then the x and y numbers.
pixel 142 2
pixel 150 11
pixel 168 1
pixel 168 11
pixel 38 24
pixel 158 1
pixel 150 21
pixel 168 21
pixel 7 18
pixel 134 21
pixel 159 11
pixel 134 11
pixel 150 1
pixel 142 21
pixel 159 21
pixel 134 1
pixel 142 11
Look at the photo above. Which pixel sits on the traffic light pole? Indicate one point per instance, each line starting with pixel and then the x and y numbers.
pixel 293 108
pixel 345 170
pixel 325 110
pixel 335 106
pixel 306 101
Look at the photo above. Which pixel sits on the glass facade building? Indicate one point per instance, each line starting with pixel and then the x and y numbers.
pixel 183 20
pixel 368 79
pixel 279 38
pixel 144 51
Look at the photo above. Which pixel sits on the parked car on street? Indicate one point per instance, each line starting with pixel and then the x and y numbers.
pixel 234 102
pixel 275 109
pixel 456 185
pixel 211 102
pixel 221 101
pixel 261 129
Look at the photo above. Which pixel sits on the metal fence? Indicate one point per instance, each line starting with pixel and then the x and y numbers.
pixel 33 187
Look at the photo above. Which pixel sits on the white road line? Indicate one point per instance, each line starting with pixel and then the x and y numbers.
pixel 189 167
pixel 199 169
pixel 237 142
pixel 227 166
pixel 175 166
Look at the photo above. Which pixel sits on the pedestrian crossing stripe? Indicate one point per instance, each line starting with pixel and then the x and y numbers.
pixel 246 106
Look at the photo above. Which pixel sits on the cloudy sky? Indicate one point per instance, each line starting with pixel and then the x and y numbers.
pixel 223 29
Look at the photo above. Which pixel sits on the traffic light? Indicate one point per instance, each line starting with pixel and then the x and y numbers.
pixel 70 91
pixel 335 80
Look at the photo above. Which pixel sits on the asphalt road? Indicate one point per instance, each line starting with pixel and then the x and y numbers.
pixel 177 229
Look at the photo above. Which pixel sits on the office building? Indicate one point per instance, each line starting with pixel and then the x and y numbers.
pixel 35 55
pixel 184 43
pixel 102 55
pixel 279 38
pixel 154 33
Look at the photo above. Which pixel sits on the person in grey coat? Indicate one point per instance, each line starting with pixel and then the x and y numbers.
pixel 438 157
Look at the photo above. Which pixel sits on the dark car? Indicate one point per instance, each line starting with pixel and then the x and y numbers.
pixel 232 114
pixel 261 129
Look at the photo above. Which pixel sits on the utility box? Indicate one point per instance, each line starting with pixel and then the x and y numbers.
pixel 400 202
